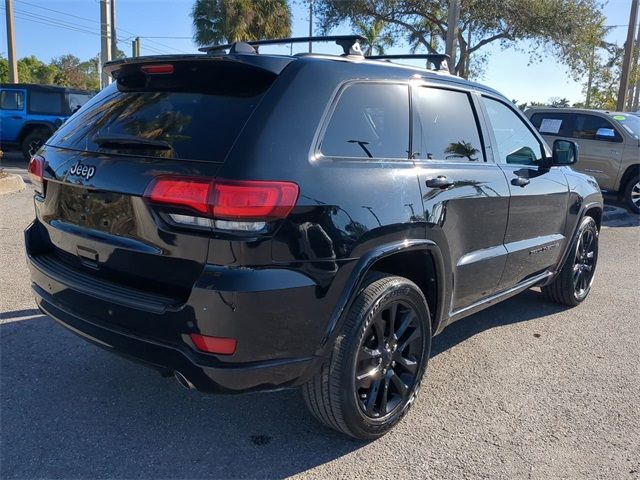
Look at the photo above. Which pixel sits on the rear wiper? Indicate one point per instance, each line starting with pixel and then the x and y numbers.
pixel 129 141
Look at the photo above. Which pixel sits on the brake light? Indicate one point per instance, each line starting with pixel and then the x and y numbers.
pixel 221 345
pixel 36 173
pixel 233 205
pixel 157 69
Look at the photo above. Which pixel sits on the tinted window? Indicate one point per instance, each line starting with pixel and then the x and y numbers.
pixel 630 123
pixel 45 102
pixel 369 121
pixel 196 116
pixel 515 143
pixel 551 123
pixel 445 126
pixel 11 100
pixel 588 125
pixel 76 100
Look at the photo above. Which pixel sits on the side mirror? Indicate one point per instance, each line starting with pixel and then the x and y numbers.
pixel 565 152
pixel 606 134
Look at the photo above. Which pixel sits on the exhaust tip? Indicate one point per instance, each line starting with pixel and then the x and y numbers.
pixel 183 381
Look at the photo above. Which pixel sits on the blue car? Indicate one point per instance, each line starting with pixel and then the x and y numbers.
pixel 29 113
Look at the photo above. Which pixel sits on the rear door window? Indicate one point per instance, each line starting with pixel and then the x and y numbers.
pixel 551 123
pixel 592 127
pixel 45 103
pixel 445 126
pixel 370 120
pixel 196 115
pixel 11 100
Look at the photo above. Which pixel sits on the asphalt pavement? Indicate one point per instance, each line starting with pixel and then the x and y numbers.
pixel 525 389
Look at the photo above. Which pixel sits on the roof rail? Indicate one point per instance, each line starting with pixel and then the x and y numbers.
pixel 350 44
pixel 439 60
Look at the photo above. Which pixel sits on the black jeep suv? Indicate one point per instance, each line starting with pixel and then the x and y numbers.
pixel 254 222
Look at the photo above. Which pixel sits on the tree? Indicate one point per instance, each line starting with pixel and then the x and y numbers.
pixel 562 28
pixel 226 21
pixel 558 102
pixel 377 38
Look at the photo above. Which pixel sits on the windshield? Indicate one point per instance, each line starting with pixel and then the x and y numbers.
pixel 630 123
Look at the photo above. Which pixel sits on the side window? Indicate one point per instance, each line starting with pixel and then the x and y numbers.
pixel 557 124
pixel 515 143
pixel 11 100
pixel 370 121
pixel 45 103
pixel 591 127
pixel 445 126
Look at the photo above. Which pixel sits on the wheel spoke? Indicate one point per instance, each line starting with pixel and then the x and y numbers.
pixel 393 314
pixel 408 364
pixel 403 388
pixel 365 379
pixel 406 321
pixel 372 396
pixel 378 327
pixel 368 354
pixel 415 335
pixel 385 397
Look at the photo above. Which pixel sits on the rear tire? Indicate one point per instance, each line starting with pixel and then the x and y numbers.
pixel 373 374
pixel 632 194
pixel 33 141
pixel 573 283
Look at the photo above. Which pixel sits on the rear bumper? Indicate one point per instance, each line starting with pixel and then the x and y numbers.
pixel 277 338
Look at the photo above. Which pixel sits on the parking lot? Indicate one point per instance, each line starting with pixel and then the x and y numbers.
pixel 525 389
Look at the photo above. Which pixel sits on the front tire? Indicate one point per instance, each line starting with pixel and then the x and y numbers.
pixel 573 283
pixel 375 368
pixel 632 194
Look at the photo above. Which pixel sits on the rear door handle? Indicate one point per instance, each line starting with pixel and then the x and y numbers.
pixel 520 182
pixel 439 182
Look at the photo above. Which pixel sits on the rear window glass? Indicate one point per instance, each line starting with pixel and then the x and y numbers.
pixel 77 100
pixel 45 102
pixel 195 116
pixel 370 121
pixel 559 124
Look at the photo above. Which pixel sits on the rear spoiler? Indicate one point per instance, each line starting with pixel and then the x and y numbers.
pixel 272 64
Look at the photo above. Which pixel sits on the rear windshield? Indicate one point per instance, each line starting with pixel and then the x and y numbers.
pixel 195 113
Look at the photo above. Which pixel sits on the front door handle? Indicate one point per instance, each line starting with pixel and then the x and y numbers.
pixel 520 182
pixel 439 182
pixel 16 117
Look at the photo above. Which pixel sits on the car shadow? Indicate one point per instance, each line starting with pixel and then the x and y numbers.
pixel 70 409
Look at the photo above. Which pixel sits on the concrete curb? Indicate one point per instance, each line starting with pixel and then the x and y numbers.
pixel 11 184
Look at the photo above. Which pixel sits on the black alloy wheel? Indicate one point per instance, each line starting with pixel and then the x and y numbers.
pixel 387 360
pixel 584 265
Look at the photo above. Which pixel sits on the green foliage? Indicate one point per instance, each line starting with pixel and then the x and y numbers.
pixel 66 70
pixel 378 38
pixel 225 21
pixel 566 29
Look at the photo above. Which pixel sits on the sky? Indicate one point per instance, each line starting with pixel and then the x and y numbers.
pixel 50 28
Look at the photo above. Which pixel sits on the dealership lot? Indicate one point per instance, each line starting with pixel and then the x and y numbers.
pixel 526 389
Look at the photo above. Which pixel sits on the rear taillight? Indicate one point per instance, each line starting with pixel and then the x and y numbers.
pixel 245 205
pixel 36 173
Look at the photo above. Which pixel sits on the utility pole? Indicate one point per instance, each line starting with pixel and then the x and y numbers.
pixel 105 40
pixel 635 105
pixel 135 47
pixel 11 43
pixel 310 25
pixel 114 39
pixel 452 32
pixel 628 55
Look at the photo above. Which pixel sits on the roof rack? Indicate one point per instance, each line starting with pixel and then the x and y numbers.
pixel 439 60
pixel 350 44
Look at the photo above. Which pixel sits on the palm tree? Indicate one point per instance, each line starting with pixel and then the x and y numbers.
pixel 376 38
pixel 226 21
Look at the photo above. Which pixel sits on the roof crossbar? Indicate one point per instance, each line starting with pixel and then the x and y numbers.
pixel 350 44
pixel 439 60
